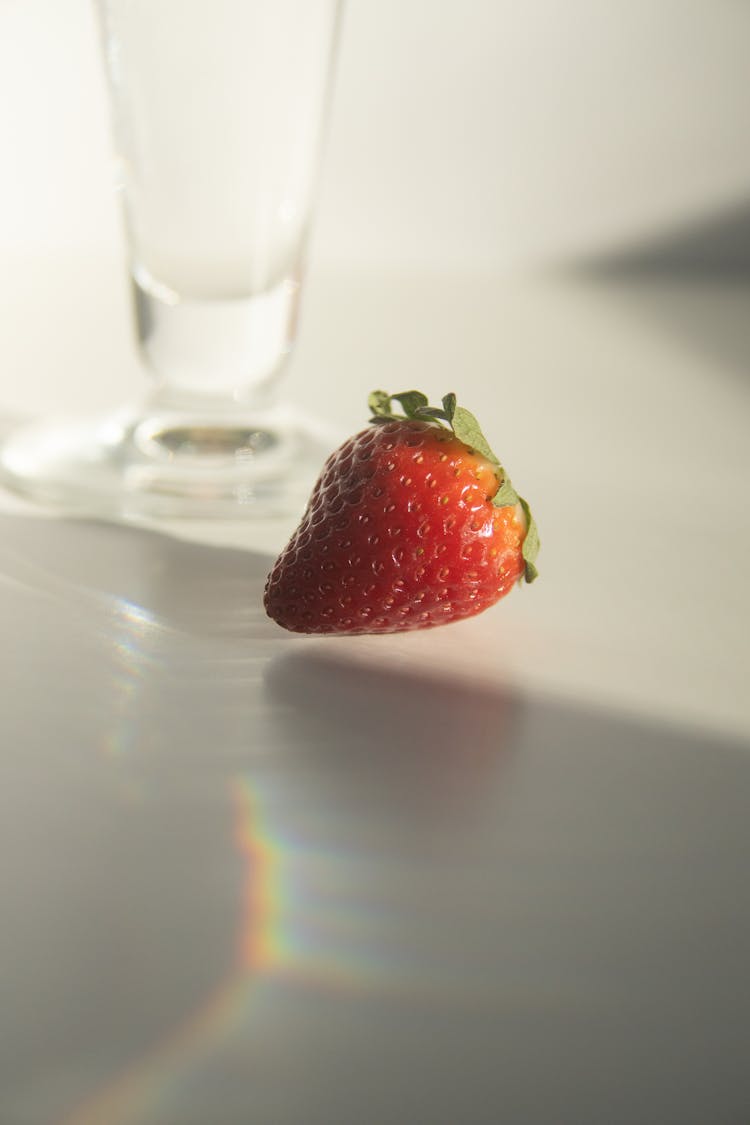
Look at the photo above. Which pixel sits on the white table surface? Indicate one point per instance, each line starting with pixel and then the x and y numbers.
pixel 247 876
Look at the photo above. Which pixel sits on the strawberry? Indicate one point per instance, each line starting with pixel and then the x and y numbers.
pixel 412 523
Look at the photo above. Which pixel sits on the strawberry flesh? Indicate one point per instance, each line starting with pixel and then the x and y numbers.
pixel 400 533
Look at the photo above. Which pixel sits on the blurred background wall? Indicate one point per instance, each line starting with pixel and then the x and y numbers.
pixel 467 134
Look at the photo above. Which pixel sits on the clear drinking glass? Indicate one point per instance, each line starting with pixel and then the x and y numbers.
pixel 219 108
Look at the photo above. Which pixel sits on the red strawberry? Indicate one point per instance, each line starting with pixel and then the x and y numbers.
pixel 412 524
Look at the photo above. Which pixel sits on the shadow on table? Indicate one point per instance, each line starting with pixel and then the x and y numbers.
pixel 251 877
pixel 408 737
pixel 693 281
pixel 713 246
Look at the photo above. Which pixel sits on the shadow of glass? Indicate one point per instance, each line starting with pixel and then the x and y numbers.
pixel 104 570
pixel 127 644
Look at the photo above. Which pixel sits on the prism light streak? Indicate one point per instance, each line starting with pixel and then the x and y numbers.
pixel 304 920
pixel 259 949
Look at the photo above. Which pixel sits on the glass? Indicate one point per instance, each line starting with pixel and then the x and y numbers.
pixel 219 108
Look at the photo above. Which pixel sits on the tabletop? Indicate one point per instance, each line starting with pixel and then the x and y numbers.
pixel 491 872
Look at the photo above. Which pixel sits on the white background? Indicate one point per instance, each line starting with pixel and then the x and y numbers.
pixel 465 134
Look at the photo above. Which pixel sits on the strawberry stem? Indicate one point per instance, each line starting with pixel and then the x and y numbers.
pixel 415 405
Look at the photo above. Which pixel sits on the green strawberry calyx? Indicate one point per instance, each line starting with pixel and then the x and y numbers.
pixel 416 405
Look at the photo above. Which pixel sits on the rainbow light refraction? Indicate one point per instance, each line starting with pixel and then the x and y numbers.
pixel 305 919
pixel 261 940
pixel 149 1081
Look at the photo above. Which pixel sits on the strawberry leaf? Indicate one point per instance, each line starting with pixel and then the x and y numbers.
pixel 449 406
pixel 467 429
pixel 506 495
pixel 379 403
pixel 530 548
pixel 412 402
pixel 431 414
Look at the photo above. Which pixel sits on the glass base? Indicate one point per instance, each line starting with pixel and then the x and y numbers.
pixel 168 464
